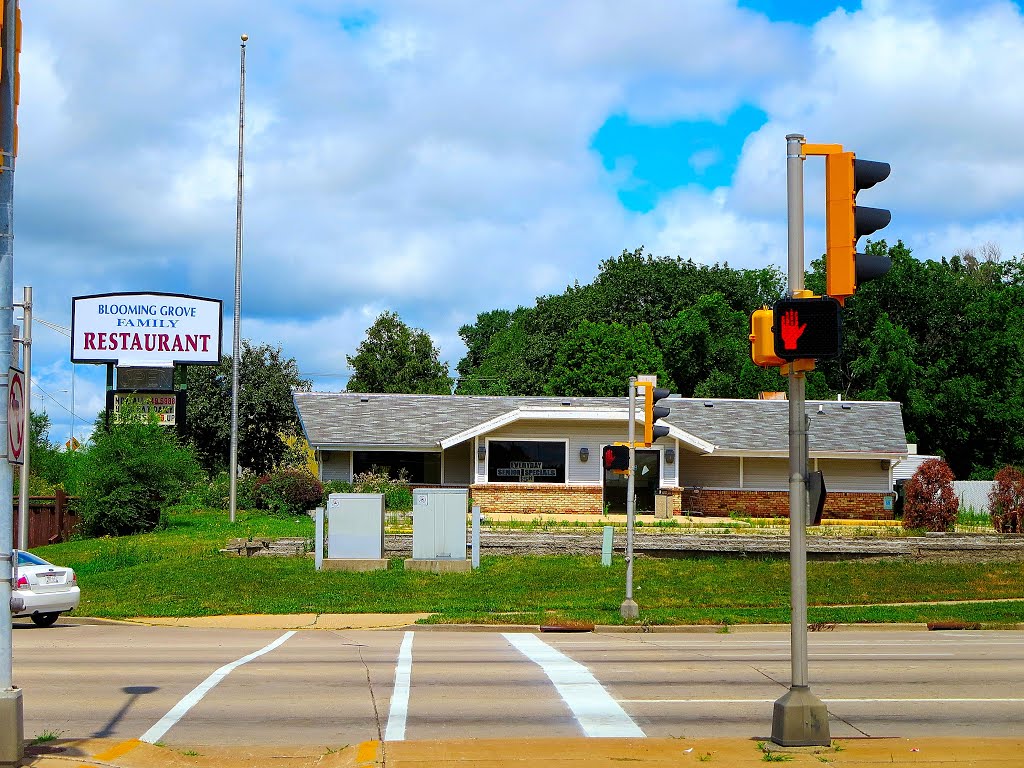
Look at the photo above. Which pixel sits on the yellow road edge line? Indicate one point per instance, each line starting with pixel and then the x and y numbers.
pixel 367 752
pixel 118 750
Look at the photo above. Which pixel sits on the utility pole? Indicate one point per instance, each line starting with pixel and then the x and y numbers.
pixel 800 718
pixel 629 608
pixel 12 728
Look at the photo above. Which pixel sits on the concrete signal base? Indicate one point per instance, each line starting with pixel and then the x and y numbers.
pixel 369 564
pixel 12 727
pixel 439 566
pixel 800 720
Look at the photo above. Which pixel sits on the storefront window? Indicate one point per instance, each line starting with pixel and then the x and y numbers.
pixel 420 467
pixel 525 461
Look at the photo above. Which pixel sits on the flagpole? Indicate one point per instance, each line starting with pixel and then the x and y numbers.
pixel 236 352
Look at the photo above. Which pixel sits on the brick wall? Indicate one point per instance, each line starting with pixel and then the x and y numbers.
pixel 587 500
pixel 838 505
pixel 538 499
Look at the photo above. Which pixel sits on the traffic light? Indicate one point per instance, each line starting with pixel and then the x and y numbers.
pixel 616 457
pixel 845 222
pixel 653 412
pixel 807 329
pixel 17 75
pixel 762 339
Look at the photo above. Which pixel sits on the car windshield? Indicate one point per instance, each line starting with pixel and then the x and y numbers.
pixel 27 558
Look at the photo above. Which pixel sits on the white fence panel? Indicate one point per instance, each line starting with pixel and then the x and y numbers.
pixel 973 493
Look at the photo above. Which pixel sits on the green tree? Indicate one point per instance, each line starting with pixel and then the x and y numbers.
pixel 49 467
pixel 396 358
pixel 495 363
pixel 631 289
pixel 597 359
pixel 265 408
pixel 130 473
pixel 706 345
pixel 946 339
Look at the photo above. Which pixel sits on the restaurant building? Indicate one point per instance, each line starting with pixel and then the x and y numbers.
pixel 542 455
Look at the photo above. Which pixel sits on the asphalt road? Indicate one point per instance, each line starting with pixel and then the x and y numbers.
pixel 191 686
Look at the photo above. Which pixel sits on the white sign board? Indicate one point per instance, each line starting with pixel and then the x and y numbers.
pixel 16 416
pixel 145 329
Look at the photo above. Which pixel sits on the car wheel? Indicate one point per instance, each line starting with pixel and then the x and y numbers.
pixel 44 619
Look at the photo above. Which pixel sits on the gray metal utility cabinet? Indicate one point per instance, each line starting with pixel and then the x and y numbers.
pixel 355 532
pixel 439 529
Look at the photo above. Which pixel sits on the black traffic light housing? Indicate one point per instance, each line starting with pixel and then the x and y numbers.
pixel 807 328
pixel 615 458
pixel 816 497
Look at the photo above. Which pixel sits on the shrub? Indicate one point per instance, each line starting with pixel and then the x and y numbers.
pixel 335 486
pixel 1006 501
pixel 216 493
pixel 397 493
pixel 931 504
pixel 130 473
pixel 289 492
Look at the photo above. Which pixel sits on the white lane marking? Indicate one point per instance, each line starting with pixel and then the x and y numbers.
pixel 593 707
pixel 829 701
pixel 399 710
pixel 178 711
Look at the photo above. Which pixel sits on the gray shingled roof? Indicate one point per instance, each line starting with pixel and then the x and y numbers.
pixel 423 421
pixel 763 425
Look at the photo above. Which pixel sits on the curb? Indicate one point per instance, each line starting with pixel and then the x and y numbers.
pixel 607 629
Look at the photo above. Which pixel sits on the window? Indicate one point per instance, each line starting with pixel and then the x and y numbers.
pixel 420 467
pixel 525 461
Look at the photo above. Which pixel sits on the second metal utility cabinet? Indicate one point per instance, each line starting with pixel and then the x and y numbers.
pixel 439 527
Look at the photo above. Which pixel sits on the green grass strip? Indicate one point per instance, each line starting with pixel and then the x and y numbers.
pixel 181 572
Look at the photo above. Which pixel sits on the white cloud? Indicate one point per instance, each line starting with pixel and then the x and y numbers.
pixel 436 162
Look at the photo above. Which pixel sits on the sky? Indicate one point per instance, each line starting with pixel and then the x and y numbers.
pixel 440 159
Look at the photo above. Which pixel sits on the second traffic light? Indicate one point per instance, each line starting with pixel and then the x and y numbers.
pixel 653 412
pixel 845 222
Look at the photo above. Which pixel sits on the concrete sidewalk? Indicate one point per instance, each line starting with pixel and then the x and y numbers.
pixel 556 753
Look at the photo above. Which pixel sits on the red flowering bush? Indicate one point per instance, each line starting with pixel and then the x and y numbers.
pixel 1006 501
pixel 289 492
pixel 930 502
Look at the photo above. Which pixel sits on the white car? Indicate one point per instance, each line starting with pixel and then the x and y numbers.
pixel 46 589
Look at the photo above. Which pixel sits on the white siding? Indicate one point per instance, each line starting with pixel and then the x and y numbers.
pixel 855 474
pixel 336 465
pixel 767 474
pixel 670 472
pixel 708 471
pixel 480 466
pixel 457 464
pixel 904 469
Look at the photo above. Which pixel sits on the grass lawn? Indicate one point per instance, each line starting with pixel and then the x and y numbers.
pixel 180 572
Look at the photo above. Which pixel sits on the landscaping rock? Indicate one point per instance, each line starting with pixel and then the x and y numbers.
pixel 283 547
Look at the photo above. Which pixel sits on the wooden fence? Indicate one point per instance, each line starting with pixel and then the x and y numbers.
pixel 51 519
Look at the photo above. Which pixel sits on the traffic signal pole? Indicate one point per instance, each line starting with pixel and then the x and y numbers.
pixel 629 608
pixel 800 718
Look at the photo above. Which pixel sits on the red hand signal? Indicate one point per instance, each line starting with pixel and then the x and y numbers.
pixel 791 329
